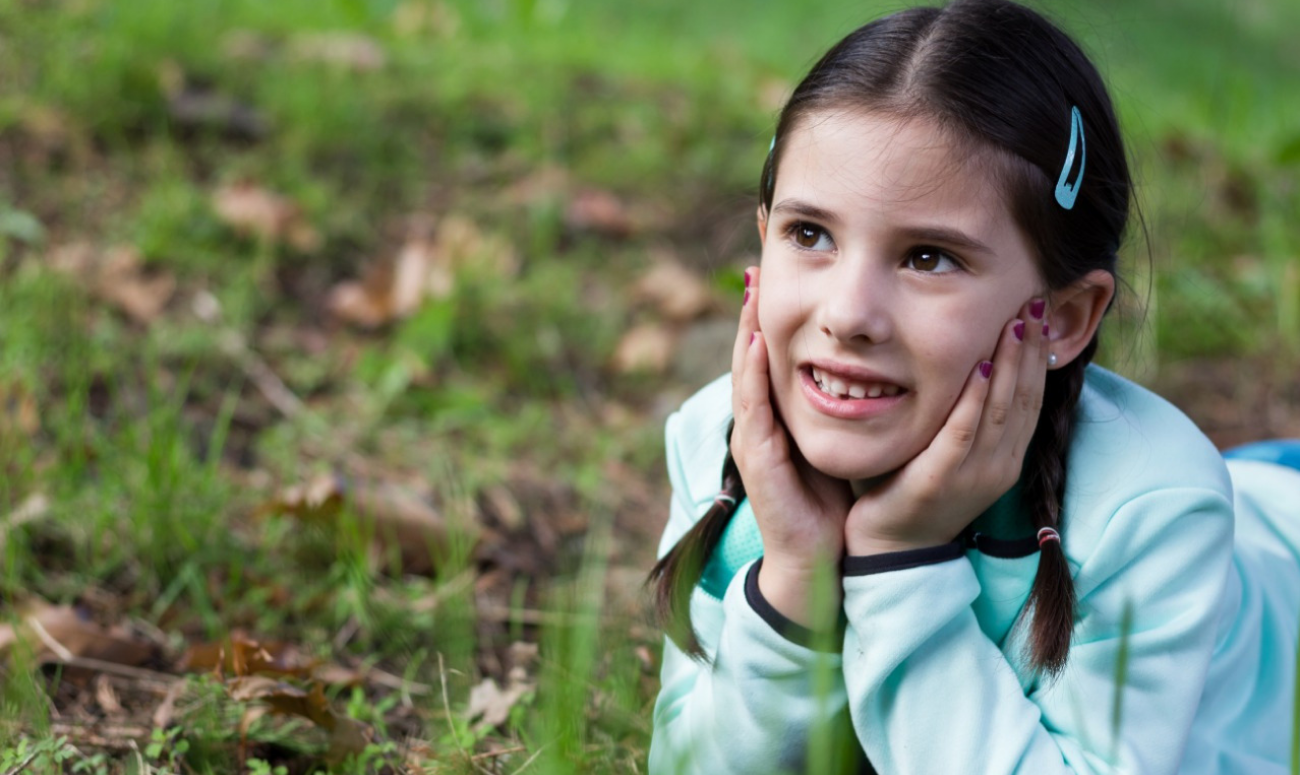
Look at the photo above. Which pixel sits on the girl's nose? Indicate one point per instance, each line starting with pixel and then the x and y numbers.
pixel 857 307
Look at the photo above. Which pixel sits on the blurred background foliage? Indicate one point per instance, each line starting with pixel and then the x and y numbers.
pixel 276 278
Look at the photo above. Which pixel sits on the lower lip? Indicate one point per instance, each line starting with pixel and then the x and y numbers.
pixel 845 408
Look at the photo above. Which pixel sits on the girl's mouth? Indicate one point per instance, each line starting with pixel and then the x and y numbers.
pixel 839 387
pixel 845 398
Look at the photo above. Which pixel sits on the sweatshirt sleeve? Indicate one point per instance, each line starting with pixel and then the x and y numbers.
pixel 751 709
pixel 930 692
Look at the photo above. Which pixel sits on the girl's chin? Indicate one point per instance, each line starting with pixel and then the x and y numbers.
pixel 841 466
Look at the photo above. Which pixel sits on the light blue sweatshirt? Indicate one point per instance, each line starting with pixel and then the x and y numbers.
pixel 932 669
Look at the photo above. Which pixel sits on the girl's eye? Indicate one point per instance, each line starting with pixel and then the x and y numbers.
pixel 810 237
pixel 932 261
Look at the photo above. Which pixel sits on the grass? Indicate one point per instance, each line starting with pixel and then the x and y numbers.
pixel 159 451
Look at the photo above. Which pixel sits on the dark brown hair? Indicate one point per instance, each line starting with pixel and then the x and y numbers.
pixel 1002 81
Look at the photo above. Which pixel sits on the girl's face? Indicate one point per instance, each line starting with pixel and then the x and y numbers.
pixel 890 265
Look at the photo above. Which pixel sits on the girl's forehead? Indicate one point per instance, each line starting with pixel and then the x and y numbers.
pixel 853 159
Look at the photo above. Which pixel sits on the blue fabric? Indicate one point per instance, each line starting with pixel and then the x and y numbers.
pixel 1284 452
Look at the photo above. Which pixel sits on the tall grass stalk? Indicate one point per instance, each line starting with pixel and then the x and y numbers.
pixel 1121 680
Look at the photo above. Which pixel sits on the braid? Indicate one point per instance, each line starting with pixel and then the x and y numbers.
pixel 1051 600
pixel 678 572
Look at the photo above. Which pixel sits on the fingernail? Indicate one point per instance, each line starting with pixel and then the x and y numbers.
pixel 1045 330
pixel 751 338
pixel 986 368
pixel 1036 308
pixel 746 278
pixel 1019 330
pixel 745 300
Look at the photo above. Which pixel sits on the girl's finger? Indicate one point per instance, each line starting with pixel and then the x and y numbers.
pixel 957 437
pixel 748 325
pixel 753 406
pixel 1000 404
pixel 1031 380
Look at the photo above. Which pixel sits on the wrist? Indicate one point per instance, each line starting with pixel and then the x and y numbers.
pixel 867 545
pixel 807 594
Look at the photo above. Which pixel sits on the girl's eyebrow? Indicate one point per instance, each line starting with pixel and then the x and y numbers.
pixel 949 236
pixel 805 210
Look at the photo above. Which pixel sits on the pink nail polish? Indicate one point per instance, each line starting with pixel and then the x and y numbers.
pixel 986 368
pixel 1036 308
pixel 746 278
pixel 1019 330
pixel 745 300
pixel 751 338
pixel 1045 330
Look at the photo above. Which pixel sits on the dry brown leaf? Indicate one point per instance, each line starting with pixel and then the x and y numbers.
pixel 35 507
pixel 18 410
pixel 647 347
pixel 242 656
pixel 319 498
pixel 491 704
pixel 166 710
pixel 463 245
pixel 401 518
pixel 106 696
pixel 347 735
pixel 599 212
pixel 353 302
pixel 541 185
pixel 251 210
pixel 122 282
pixel 347 50
pixel 118 276
pixel 60 632
pixel 424 268
pixel 678 293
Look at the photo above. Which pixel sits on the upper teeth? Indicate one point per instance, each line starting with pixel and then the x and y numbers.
pixel 837 387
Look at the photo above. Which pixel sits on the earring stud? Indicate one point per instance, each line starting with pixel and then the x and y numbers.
pixel 1051 360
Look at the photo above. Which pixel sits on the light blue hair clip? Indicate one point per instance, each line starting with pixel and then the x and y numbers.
pixel 1067 192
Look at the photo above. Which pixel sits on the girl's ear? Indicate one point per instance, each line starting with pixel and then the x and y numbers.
pixel 762 225
pixel 1075 313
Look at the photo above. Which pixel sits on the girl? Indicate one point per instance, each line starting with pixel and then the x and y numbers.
pixel 1033 559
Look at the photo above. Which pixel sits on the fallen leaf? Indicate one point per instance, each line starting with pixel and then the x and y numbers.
pixel 106 697
pixel 118 276
pixel 245 656
pixel 647 347
pixel 346 735
pixel 320 497
pixel 347 50
pixel 401 519
pixel 542 185
pixel 599 212
pixel 35 507
pixel 166 710
pixel 678 293
pixel 463 245
pixel 60 632
pixel 352 302
pixel 123 282
pixel 424 268
pixel 491 704
pixel 18 410
pixel 252 210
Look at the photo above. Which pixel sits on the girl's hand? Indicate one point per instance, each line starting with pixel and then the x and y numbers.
pixel 975 458
pixel 800 511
